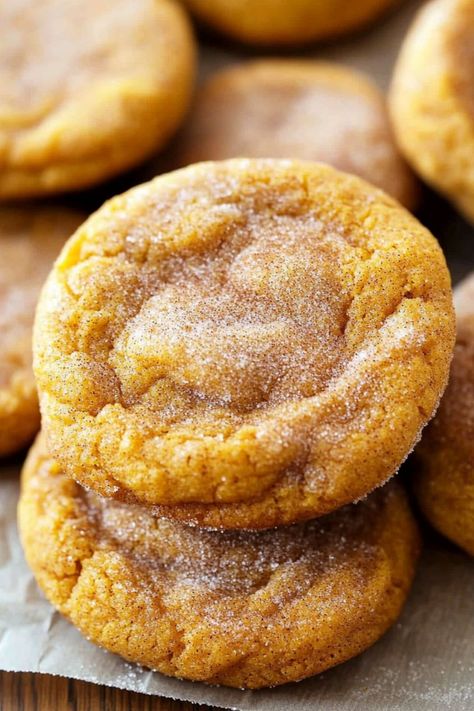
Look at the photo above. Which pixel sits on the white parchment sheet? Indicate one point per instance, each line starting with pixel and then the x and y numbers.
pixel 425 663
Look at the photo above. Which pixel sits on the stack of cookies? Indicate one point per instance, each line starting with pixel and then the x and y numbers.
pixel 227 358
pixel 233 359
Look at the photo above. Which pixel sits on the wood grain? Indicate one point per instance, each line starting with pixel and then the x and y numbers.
pixel 41 692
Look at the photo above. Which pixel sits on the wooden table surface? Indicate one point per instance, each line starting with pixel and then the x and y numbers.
pixel 41 692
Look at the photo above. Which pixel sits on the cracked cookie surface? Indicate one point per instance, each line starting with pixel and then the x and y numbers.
pixel 243 332
pixel 445 457
pixel 236 608
pixel 309 110
pixel 31 238
pixel 77 107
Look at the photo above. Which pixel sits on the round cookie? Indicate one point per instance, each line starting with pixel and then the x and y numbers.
pixel 445 481
pixel 241 609
pixel 30 239
pixel 265 332
pixel 87 89
pixel 298 109
pixel 279 22
pixel 432 100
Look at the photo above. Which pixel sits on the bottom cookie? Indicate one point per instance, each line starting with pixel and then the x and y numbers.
pixel 244 609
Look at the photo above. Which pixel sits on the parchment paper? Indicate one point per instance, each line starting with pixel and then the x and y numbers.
pixel 425 662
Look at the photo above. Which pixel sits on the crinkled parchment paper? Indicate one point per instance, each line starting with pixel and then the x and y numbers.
pixel 425 662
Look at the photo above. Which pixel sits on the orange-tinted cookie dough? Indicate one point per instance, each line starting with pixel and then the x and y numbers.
pixel 241 609
pixel 298 109
pixel 30 239
pixel 445 482
pixel 223 330
pixel 432 99
pixel 88 88
pixel 286 22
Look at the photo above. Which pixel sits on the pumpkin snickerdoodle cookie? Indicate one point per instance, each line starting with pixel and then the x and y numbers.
pixel 298 109
pixel 445 482
pixel 30 239
pixel 264 333
pixel 87 89
pixel 432 99
pixel 245 609
pixel 279 22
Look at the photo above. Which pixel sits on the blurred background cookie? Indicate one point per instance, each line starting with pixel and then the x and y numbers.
pixel 241 609
pixel 285 22
pixel 309 110
pixel 87 89
pixel 432 99
pixel 445 482
pixel 30 239
pixel 248 331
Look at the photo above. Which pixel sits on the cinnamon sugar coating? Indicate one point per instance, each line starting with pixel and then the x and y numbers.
pixel 310 110
pixel 80 104
pixel 241 609
pixel 30 239
pixel 445 481
pixel 272 333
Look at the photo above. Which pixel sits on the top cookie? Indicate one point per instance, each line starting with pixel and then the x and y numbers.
pixel 87 89
pixel 310 110
pixel 209 333
pixel 280 22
